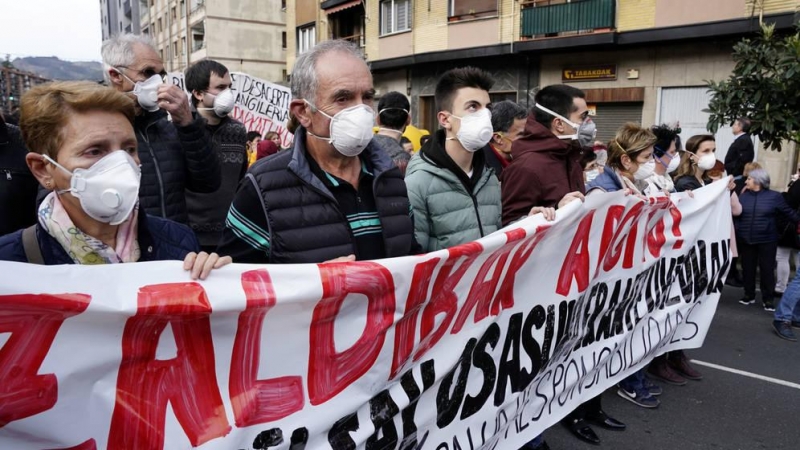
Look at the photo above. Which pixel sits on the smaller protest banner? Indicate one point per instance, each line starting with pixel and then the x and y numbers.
pixel 262 106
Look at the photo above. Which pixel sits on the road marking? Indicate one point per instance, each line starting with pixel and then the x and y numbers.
pixel 748 374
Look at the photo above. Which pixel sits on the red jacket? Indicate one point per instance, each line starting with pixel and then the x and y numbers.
pixel 543 170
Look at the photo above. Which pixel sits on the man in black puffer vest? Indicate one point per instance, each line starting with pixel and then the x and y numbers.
pixel 336 194
pixel 175 155
pixel 210 84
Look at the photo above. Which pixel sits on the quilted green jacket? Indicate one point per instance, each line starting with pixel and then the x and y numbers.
pixel 445 213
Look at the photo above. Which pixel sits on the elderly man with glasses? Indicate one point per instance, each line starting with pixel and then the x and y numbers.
pixel 173 150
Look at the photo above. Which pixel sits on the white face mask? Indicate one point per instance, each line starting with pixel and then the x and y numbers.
pixel 146 92
pixel 223 103
pixel 707 161
pixel 109 190
pixel 476 130
pixel 645 170
pixel 350 129
pixel 585 132
pixel 674 162
pixel 590 175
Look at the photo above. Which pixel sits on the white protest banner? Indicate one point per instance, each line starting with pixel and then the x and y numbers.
pixel 481 346
pixel 262 106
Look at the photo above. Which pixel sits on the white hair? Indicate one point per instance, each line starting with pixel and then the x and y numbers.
pixel 118 51
pixel 760 177
pixel 304 73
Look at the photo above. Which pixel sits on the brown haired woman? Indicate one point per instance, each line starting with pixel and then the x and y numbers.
pixel 698 158
pixel 83 148
pixel 630 161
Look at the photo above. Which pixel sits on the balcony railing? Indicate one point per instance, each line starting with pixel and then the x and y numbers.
pixel 578 15
pixel 198 45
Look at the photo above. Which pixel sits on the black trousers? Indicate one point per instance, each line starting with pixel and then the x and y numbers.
pixel 734 272
pixel 591 406
pixel 763 255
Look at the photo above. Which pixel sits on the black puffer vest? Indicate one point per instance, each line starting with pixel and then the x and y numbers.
pixel 305 223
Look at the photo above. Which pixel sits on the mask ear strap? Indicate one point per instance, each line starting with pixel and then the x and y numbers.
pixel 557 115
pixel 123 75
pixel 51 161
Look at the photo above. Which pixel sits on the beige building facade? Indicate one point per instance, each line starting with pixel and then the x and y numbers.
pixel 645 61
pixel 245 35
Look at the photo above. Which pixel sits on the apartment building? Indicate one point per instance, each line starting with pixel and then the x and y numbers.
pixel 14 83
pixel 637 60
pixel 245 35
pixel 119 16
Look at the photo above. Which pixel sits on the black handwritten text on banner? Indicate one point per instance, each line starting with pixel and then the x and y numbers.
pixel 476 346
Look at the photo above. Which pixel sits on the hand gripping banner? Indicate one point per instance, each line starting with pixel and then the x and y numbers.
pixel 479 346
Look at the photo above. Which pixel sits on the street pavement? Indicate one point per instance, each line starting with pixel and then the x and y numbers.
pixel 725 410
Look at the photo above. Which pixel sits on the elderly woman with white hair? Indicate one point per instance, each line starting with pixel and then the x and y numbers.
pixel 757 235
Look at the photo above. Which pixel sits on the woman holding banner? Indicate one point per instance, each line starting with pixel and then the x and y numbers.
pixel 630 163
pixel 83 148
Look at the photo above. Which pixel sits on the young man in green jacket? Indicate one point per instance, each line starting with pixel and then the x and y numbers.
pixel 454 196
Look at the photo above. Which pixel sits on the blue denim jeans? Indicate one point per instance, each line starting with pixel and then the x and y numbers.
pixel 789 307
pixel 634 383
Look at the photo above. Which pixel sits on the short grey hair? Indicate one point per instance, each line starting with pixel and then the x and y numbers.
pixel 304 73
pixel 760 177
pixel 505 113
pixel 118 51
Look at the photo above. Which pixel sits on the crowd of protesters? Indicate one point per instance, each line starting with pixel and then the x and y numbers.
pixel 133 171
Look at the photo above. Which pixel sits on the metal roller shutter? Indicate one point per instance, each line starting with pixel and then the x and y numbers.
pixel 611 116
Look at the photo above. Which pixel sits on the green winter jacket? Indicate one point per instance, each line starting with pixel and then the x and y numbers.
pixel 445 213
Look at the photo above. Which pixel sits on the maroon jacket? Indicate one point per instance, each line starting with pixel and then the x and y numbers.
pixel 543 170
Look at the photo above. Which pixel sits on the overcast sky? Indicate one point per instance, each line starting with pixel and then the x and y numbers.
pixel 69 29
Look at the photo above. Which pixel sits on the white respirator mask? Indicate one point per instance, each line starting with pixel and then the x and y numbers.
pixel 109 189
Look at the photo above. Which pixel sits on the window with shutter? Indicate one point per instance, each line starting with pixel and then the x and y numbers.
pixel 402 15
pixel 386 17
pixel 395 16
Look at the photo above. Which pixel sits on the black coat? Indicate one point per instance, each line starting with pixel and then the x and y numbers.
pixel 207 212
pixel 787 229
pixel 760 212
pixel 159 240
pixel 689 183
pixel 740 153
pixel 18 186
pixel 174 159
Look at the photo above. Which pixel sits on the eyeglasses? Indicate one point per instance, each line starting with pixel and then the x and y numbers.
pixel 147 72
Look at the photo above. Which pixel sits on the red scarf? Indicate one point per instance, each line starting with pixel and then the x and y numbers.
pixel 503 161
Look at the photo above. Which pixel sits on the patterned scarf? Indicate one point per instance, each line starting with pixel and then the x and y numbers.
pixel 629 184
pixel 82 248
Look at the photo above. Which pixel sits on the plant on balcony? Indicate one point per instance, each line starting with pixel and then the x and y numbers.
pixel 764 87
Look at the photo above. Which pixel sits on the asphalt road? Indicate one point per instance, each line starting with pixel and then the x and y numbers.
pixel 725 410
